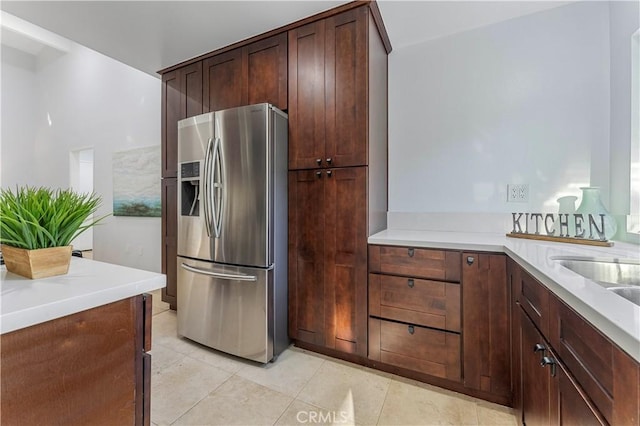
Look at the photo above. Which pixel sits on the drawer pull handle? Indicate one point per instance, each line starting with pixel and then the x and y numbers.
pixel 411 252
pixel 410 282
pixel 411 329
pixel 539 348
pixel 549 361
pixel 470 260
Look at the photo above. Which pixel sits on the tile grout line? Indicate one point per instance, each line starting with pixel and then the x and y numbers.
pixel 384 401
pixel 202 399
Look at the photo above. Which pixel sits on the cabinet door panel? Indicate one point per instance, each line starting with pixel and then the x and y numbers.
pixel 573 406
pixel 536 381
pixel 306 256
pixel 172 112
pixel 346 259
pixel 586 353
pixel 346 88
pixel 486 323
pixel 223 83
pixel 306 96
pixel 169 240
pixel 267 71
pixel 181 98
pixel 192 89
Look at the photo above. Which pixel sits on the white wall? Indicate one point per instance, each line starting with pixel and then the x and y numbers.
pixel 82 100
pixel 522 101
pixel 625 20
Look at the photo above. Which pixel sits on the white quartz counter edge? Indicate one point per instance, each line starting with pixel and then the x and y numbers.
pixel 88 284
pixel 615 317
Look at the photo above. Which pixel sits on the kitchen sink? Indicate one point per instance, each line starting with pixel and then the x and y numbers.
pixel 630 293
pixel 620 276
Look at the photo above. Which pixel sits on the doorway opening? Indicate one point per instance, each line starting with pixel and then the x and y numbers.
pixel 81 181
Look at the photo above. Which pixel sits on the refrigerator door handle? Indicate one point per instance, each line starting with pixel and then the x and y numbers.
pixel 217 196
pixel 206 193
pixel 220 275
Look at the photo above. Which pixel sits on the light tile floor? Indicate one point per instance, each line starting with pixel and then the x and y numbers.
pixel 195 385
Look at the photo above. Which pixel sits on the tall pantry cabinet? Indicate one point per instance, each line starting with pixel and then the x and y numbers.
pixel 181 98
pixel 337 176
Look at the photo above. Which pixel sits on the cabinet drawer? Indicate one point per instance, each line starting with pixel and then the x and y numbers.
pixel 429 303
pixel 415 262
pixel 534 299
pixel 432 352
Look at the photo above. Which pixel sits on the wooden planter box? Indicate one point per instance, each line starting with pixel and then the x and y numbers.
pixel 40 263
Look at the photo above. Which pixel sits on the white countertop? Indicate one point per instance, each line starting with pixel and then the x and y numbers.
pixel 614 316
pixel 88 284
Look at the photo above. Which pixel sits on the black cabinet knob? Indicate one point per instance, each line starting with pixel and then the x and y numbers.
pixel 411 329
pixel 410 282
pixel 329 160
pixel 539 348
pixel 329 173
pixel 410 252
pixel 318 161
pixel 470 260
pixel 319 174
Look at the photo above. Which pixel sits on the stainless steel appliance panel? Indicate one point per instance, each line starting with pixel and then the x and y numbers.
pixel 227 308
pixel 244 173
pixel 195 138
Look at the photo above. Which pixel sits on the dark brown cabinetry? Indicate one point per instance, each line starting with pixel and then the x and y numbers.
pixel 247 75
pixel 566 371
pixel 337 178
pixel 327 260
pixel 91 367
pixel 181 98
pixel 328 92
pixel 169 239
pixel 414 316
pixel 442 316
pixel 485 319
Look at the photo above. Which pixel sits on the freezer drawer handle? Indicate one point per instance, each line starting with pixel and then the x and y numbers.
pixel 219 274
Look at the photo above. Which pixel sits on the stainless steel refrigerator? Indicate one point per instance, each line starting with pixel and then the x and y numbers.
pixel 232 231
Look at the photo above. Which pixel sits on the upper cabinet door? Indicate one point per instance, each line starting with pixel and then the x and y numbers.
pixel 328 104
pixel 181 98
pixel 306 96
pixel 346 88
pixel 224 86
pixel 266 62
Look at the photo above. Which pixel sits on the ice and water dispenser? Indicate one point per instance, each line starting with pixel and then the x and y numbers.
pixel 190 189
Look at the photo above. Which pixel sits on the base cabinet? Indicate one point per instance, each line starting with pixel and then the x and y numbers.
pixel 169 240
pixel 486 324
pixel 566 372
pixel 327 258
pixel 91 367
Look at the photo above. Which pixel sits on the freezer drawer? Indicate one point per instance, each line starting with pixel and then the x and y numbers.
pixel 227 308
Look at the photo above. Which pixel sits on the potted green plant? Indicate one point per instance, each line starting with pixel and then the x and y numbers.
pixel 37 226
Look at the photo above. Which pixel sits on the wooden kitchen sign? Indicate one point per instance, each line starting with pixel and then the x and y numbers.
pixel 570 228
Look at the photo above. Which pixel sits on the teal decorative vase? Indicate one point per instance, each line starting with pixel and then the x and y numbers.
pixel 591 204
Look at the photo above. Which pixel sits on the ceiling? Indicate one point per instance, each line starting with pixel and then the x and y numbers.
pixel 151 35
